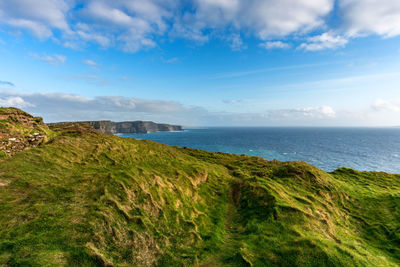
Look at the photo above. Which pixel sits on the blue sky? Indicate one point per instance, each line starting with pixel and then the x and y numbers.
pixel 204 62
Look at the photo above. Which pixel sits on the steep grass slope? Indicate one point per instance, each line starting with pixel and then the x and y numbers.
pixel 87 199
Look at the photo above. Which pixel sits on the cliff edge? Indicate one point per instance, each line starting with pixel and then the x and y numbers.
pixel 110 127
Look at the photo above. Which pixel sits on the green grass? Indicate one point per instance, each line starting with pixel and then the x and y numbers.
pixel 7 110
pixel 86 199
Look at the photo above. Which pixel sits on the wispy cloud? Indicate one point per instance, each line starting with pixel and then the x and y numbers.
pixel 88 78
pixel 233 101
pixel 272 69
pixel 90 63
pixel 310 112
pixel 50 59
pixel 327 40
pixel 338 84
pixel 6 83
pixel 236 42
pixel 381 105
pixel 125 78
pixel 275 45
pixel 354 79
pixel 170 60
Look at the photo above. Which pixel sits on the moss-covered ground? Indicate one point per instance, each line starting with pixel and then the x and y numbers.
pixel 87 199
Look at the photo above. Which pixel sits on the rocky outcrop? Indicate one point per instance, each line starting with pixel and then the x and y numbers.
pixel 13 145
pixel 19 131
pixel 110 127
pixel 107 127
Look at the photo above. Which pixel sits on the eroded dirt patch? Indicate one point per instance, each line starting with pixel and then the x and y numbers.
pixel 4 183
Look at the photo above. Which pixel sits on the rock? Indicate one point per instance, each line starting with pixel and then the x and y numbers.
pixel 20 130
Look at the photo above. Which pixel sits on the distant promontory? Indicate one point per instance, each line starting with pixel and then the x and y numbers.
pixel 134 127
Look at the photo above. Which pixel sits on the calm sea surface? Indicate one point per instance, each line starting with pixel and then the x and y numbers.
pixel 372 149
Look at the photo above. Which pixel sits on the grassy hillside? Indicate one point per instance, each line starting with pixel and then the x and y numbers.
pixel 87 199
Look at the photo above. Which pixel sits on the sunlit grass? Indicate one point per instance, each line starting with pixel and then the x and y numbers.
pixel 86 199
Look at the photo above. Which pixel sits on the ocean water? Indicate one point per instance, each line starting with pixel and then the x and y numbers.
pixel 369 149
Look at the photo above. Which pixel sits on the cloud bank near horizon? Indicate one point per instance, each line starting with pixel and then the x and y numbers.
pixel 136 24
pixel 68 107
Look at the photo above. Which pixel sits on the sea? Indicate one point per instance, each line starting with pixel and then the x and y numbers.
pixel 364 149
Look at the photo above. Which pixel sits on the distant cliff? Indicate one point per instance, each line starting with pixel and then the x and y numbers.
pixel 110 127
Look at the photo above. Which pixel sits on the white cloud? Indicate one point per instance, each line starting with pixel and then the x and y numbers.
pixel 137 24
pixel 381 105
pixel 98 10
pixel 195 34
pixel 275 45
pixel 53 60
pixel 133 24
pixel 93 37
pixel 363 17
pixel 170 60
pixel 69 107
pixel 40 19
pixel 134 41
pixel 83 77
pixel 327 40
pixel 236 41
pixel 14 101
pixel 62 107
pixel 313 112
pixel 36 28
pixel 265 18
pixel 90 63
pixel 88 78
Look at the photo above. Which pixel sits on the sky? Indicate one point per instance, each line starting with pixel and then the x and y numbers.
pixel 203 62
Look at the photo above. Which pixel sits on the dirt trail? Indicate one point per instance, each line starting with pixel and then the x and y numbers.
pixel 228 253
